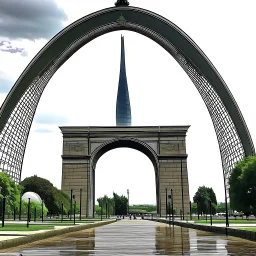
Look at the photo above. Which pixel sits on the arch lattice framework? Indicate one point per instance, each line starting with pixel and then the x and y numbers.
pixel 18 109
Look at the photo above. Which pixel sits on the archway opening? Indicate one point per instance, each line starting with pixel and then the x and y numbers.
pixel 123 169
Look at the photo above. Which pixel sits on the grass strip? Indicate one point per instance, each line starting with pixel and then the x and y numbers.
pixel 230 221
pixel 23 227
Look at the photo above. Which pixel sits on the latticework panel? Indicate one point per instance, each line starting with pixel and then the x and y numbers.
pixel 230 145
pixel 13 138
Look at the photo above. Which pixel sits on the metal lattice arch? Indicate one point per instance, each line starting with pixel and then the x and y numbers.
pixel 18 109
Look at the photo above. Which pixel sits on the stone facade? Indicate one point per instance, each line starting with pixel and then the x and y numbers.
pixel 164 145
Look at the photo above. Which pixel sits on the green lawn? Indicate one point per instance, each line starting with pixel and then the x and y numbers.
pixel 230 221
pixel 66 223
pixel 23 227
pixel 249 228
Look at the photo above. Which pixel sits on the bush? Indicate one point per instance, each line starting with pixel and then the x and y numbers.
pixel 52 196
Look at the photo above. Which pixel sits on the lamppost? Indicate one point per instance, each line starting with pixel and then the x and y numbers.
pixel 114 207
pixel 128 192
pixel 169 206
pixel 74 210
pixel 35 214
pixel 61 212
pixel 166 203
pixel 20 205
pixel 210 204
pixel 106 209
pixel 28 215
pixel 42 210
pixel 182 193
pixel 172 208
pixel 71 195
pixel 80 216
pixel 3 210
pixel 190 210
pixel 197 204
pixel 14 213
pixel 3 213
pixel 101 206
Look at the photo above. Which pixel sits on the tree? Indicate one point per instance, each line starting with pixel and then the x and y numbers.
pixel 9 190
pixel 203 196
pixel 117 204
pixel 52 196
pixel 242 183
pixel 105 202
pixel 121 204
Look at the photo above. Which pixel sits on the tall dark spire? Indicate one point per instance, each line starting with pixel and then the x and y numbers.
pixel 123 107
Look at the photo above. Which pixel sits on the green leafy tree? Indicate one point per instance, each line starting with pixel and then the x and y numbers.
pixel 221 207
pixel 9 190
pixel 105 202
pixel 243 186
pixel 203 196
pixel 121 204
pixel 52 196
pixel 116 205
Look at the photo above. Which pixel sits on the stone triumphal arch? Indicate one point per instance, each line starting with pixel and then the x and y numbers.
pixel 18 109
pixel 165 146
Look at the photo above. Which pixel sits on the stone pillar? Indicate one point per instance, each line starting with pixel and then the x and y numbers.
pixel 170 178
pixel 75 176
pixel 172 155
pixel 76 170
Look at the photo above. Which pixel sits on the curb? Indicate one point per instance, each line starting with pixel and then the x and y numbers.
pixel 244 234
pixel 51 233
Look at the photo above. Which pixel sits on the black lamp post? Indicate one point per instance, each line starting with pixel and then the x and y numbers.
pixel 182 193
pixel 28 215
pixel 71 195
pixel 42 210
pixel 3 212
pixel 35 214
pixel 106 210
pixel 61 212
pixel 210 204
pixel 197 209
pixel 101 210
pixel 128 192
pixel 114 208
pixel 80 216
pixel 172 208
pixel 190 210
pixel 169 207
pixel 74 210
pixel 20 206
pixel 166 203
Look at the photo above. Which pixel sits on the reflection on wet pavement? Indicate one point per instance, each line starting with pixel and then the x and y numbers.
pixel 139 238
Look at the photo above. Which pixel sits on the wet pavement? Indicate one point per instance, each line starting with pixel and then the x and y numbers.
pixel 138 237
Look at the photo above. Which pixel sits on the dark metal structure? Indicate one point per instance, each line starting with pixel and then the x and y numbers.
pixel 18 109
pixel 123 106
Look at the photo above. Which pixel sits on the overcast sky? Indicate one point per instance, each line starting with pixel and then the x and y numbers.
pixel 160 91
